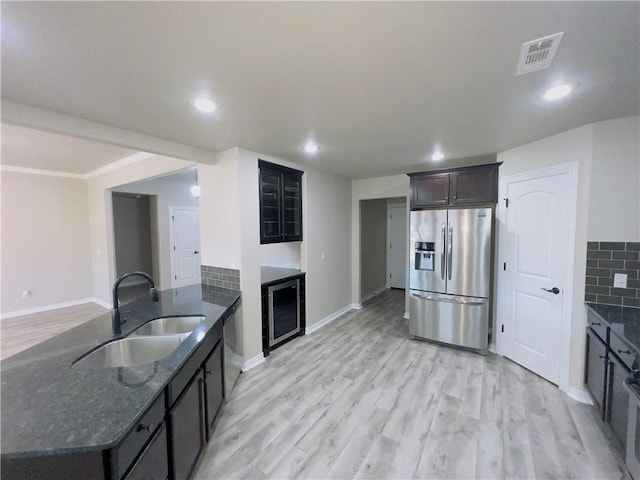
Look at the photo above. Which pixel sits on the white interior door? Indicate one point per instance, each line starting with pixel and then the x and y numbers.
pixel 185 246
pixel 397 243
pixel 535 273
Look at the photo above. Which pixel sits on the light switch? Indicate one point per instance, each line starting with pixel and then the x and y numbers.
pixel 620 280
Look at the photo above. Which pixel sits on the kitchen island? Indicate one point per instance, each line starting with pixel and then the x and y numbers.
pixel 61 420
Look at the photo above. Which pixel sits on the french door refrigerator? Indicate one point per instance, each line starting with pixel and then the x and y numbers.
pixel 450 276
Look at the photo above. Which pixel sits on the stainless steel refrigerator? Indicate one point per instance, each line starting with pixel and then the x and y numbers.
pixel 450 276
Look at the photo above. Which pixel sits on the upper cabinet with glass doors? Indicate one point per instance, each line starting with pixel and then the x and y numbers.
pixel 280 203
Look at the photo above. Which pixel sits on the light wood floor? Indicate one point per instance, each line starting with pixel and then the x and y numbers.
pixel 358 399
pixel 25 331
pixel 20 333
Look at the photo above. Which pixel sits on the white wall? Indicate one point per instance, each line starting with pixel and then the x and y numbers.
pixel 615 182
pixel 381 187
pixel 285 254
pixel 220 210
pixel 167 194
pixel 101 217
pixel 327 240
pixel 229 233
pixel 45 241
pixel 250 265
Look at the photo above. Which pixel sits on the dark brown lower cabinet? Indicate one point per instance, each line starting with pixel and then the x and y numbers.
pixel 595 369
pixel 213 387
pixel 607 365
pixel 617 399
pixel 187 421
pixel 152 464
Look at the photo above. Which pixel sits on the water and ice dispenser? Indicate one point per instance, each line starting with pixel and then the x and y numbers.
pixel 425 253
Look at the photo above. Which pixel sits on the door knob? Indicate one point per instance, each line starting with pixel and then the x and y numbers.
pixel 554 290
pixel 196 252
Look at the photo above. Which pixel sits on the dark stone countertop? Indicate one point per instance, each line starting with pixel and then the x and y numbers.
pixel 623 321
pixel 50 407
pixel 269 275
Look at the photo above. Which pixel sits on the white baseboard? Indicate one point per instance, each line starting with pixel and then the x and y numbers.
pixel 578 395
pixel 373 294
pixel 405 315
pixel 55 306
pixel 328 319
pixel 102 303
pixel 253 362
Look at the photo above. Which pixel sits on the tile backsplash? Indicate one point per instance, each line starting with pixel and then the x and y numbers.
pixel 220 277
pixel 604 259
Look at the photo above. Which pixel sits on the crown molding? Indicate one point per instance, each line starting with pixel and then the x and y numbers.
pixel 123 162
pixel 129 160
pixel 37 171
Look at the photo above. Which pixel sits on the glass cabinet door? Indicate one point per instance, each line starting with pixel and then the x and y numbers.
pixel 280 203
pixel 270 204
pixel 292 208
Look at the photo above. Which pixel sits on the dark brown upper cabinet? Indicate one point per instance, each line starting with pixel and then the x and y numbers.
pixel 280 203
pixel 476 185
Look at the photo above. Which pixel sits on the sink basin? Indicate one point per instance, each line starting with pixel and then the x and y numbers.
pixel 130 352
pixel 170 326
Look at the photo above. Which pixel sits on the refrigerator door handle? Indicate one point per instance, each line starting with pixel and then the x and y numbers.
pixel 450 252
pixel 447 300
pixel 442 253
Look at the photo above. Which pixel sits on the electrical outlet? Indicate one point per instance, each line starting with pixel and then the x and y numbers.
pixel 620 280
pixel 322 256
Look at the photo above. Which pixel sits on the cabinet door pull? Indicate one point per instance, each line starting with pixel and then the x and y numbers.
pixel 597 324
pixel 142 427
pixel 626 352
pixel 602 357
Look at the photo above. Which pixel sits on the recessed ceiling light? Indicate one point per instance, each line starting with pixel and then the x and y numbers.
pixel 203 104
pixel 311 148
pixel 437 156
pixel 557 92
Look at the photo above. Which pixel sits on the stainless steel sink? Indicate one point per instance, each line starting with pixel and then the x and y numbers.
pixel 130 352
pixel 170 326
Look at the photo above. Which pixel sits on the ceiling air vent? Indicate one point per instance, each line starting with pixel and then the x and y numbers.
pixel 538 54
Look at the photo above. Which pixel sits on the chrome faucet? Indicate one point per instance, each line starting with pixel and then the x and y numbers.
pixel 116 323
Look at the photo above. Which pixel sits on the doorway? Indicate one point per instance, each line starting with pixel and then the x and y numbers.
pixel 132 232
pixel 535 279
pixel 382 267
pixel 397 242
pixel 164 192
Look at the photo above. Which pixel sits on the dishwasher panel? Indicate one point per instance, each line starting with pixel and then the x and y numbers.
pixel 232 358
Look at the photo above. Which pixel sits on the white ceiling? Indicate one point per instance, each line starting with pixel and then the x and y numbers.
pixel 378 85
pixel 28 148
